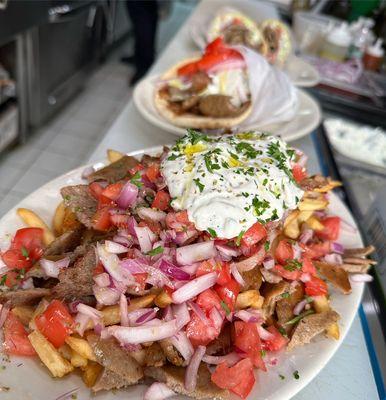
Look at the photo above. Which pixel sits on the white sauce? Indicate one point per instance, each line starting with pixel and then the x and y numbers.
pixel 228 183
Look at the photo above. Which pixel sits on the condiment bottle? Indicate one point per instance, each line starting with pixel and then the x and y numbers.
pixel 336 43
pixel 372 59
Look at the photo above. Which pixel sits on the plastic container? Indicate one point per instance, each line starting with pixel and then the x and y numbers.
pixel 372 60
pixel 361 37
pixel 336 43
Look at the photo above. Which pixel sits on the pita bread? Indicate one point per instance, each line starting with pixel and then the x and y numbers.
pixel 284 46
pixel 189 120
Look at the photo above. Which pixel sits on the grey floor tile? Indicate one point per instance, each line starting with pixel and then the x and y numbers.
pixel 83 129
pixel 9 175
pixel 20 155
pixel 42 137
pixel 32 180
pixel 54 163
pixel 71 146
pixel 9 201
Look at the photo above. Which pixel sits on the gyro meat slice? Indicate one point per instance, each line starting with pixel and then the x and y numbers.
pixel 359 251
pixel 24 296
pixel 336 275
pixel 286 304
pixel 311 326
pixel 115 171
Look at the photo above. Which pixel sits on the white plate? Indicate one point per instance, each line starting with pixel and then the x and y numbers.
pixel 306 120
pixel 300 72
pixel 31 380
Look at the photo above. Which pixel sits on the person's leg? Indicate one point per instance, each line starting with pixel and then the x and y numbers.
pixel 144 17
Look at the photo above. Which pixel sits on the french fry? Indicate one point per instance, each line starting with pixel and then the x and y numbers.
pixel 111 314
pixel 57 221
pixel 77 360
pixel 65 351
pixel 32 219
pixel 51 358
pixel 114 155
pixel 321 304
pixel 292 216
pixel 70 222
pixel 249 298
pixel 330 186
pixel 82 347
pixel 292 230
pixel 314 224
pixel 24 313
pixel 312 204
pixel 163 300
pixel 91 373
pixel 303 216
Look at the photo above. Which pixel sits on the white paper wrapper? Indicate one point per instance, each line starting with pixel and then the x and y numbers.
pixel 274 97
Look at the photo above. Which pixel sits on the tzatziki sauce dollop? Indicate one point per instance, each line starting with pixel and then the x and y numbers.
pixel 227 183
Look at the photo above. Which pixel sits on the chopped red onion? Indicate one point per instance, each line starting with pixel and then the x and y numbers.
pixel 145 238
pixel 27 284
pixel 183 236
pixel 52 268
pixel 300 307
pixel 194 287
pixel 227 250
pixel 190 269
pixel 123 311
pixel 268 263
pixel 192 253
pixel 106 296
pixel 167 313
pixel 251 262
pixel 72 306
pixel 147 317
pixel 337 248
pixel 306 236
pixel 81 322
pixel 263 333
pixel 216 318
pixel 192 369
pixel 133 266
pixel 158 391
pixel 361 278
pixel 115 248
pixel 102 280
pixel 5 308
pixel 91 312
pixel 140 316
pixel 230 359
pixel 151 214
pixel 197 310
pixel 156 277
pixel 305 277
pixel 181 342
pixel 168 236
pixel 171 270
pixel 126 241
pixel 236 274
pixel 297 251
pixel 333 258
pixel 87 172
pixel 181 314
pixel 128 195
pixel 67 394
pixel 144 333
pixel 248 316
pixel 112 265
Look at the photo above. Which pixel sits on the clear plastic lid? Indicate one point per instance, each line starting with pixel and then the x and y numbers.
pixel 340 35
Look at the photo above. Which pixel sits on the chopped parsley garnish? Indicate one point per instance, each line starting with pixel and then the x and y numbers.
pixel 3 279
pixel 263 353
pixel 239 237
pixel 299 317
pixel 136 180
pixel 266 246
pixel 292 265
pixel 225 307
pixel 195 136
pixel 282 377
pixel 174 157
pixel 210 165
pixel 212 232
pixel 296 374
pixel 247 149
pixel 285 295
pixel 155 251
pixel 201 187
pixel 260 206
pixel 282 331
pixel 24 252
pixel 275 152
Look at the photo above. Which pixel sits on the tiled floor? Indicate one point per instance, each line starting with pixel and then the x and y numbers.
pixel 69 139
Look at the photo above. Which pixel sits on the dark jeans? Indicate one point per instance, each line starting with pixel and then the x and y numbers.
pixel 144 17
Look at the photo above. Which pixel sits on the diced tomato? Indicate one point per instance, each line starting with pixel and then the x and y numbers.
pixel 247 339
pixel 161 200
pixel 95 189
pixel 209 299
pixel 178 220
pixel 152 172
pixel 223 269
pixel 101 221
pixel 284 252
pixel 11 279
pixel 331 228
pixel 120 220
pixel 16 340
pixel 308 266
pixel 55 323
pixel 99 269
pixel 140 279
pixel 224 276
pixel 188 69
pixel 277 342
pixel 254 234
pixel 200 333
pixel 239 378
pixel 316 287
pixel 134 170
pixel 228 293
pixel 317 250
pixel 16 259
pixel 29 238
pixel 287 274
pixel 154 226
pixel 113 191
pixel 299 173
pixel 215 46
